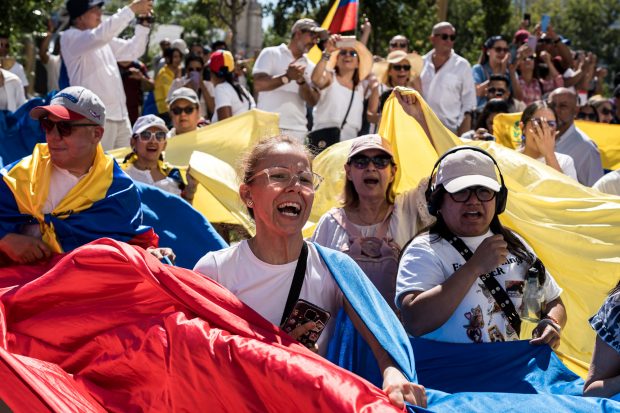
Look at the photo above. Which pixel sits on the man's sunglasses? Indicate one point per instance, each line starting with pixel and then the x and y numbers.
pixel 187 109
pixel 398 68
pixel 64 128
pixel 496 91
pixel 445 36
pixel 351 53
pixel 606 111
pixel 146 136
pixel 399 44
pixel 379 161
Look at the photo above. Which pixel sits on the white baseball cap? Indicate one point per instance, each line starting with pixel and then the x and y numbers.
pixel 465 168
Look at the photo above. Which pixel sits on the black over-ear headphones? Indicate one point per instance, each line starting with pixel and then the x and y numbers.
pixel 434 202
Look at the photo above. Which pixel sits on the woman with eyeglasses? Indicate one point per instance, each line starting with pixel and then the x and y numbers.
pixel 231 98
pixel 277 187
pixel 494 60
pixel 146 162
pixel 339 76
pixel 539 127
pixel 194 79
pixel 373 223
pixel 469 279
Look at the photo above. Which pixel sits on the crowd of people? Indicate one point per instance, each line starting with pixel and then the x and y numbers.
pixel 437 253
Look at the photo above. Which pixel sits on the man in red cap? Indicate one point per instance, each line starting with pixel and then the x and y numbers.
pixel 68 192
pixel 91 50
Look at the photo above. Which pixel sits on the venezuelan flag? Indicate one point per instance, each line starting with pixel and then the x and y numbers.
pixel 345 18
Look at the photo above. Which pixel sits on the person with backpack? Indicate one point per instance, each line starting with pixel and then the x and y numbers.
pixel 373 224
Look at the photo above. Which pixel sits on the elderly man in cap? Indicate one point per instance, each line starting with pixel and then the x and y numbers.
pixel 90 50
pixel 68 192
pixel 282 78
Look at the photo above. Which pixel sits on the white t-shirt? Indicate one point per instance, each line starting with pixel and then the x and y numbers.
pixel 426 264
pixel 609 183
pixel 166 184
pixel 566 164
pixel 409 216
pixel 265 287
pixel 18 70
pixel 226 95
pixel 332 107
pixel 284 100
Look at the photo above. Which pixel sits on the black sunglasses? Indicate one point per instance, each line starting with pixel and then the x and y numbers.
pixel 64 128
pixel 445 36
pixel 586 116
pixel 379 161
pixel 351 53
pixel 496 91
pixel 501 49
pixel 398 68
pixel 194 69
pixel 398 44
pixel 606 111
pixel 187 109
pixel 146 136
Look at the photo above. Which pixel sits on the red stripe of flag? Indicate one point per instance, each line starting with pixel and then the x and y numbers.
pixel 345 18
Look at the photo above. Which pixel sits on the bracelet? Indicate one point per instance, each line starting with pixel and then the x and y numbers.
pixel 325 56
pixel 549 317
pixel 555 325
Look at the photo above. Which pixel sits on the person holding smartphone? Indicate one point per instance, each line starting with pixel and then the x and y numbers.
pixel 278 187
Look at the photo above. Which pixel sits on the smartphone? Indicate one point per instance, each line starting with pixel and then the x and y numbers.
pixel 513 53
pixel 346 42
pixel 531 42
pixel 544 22
pixel 304 311
pixel 527 18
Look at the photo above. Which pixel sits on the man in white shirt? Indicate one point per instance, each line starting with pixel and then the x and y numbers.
pixel 90 50
pixel 11 64
pixel 11 91
pixel 447 83
pixel 282 78
pixel 573 141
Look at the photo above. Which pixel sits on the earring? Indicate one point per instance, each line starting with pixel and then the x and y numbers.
pixel 250 204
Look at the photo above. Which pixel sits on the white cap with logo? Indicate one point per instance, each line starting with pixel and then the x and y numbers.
pixel 465 168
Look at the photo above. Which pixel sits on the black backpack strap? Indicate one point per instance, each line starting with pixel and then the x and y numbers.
pixel 298 280
pixel 344 121
pixel 490 282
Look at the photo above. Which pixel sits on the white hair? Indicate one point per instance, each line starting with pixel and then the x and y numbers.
pixel 442 25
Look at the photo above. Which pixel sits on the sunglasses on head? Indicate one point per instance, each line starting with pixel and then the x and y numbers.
pixel 351 53
pixel 445 36
pixel 187 109
pixel 501 49
pixel 146 136
pixel 64 128
pixel 399 44
pixel 398 68
pixel 496 91
pixel 379 161
pixel 586 116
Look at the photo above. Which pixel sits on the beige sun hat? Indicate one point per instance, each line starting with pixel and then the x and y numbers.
pixel 380 69
pixel 365 58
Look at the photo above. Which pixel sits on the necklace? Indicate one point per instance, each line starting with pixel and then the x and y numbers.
pixel 375 220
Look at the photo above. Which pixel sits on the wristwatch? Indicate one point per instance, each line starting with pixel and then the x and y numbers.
pixel 285 80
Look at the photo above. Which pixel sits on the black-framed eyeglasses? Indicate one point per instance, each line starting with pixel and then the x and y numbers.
pixel 379 161
pixel 351 53
pixel 194 69
pixel 398 68
pixel 402 45
pixel 482 193
pixel 446 36
pixel 283 177
pixel 501 49
pixel 146 136
pixel 587 116
pixel 64 128
pixel 496 91
pixel 187 109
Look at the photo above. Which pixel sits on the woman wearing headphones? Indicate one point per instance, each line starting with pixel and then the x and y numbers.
pixel 469 279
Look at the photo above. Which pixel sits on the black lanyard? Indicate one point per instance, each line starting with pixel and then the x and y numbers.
pixel 298 280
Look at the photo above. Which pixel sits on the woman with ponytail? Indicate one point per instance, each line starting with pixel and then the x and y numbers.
pixel 230 97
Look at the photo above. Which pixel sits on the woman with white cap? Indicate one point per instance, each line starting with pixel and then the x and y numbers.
pixel 146 162
pixel 338 115
pixel 469 279
pixel 373 223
